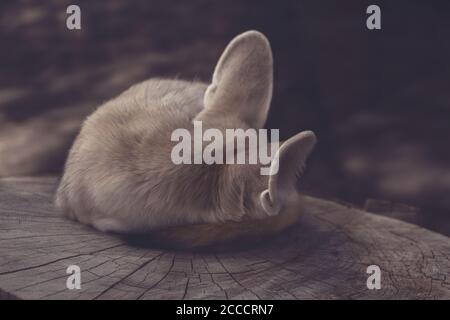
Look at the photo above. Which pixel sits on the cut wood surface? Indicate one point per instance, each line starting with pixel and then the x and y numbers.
pixel 324 257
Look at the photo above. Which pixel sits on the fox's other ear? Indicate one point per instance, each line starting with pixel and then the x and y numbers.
pixel 242 80
pixel 287 167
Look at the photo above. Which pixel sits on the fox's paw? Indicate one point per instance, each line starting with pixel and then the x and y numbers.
pixel 109 225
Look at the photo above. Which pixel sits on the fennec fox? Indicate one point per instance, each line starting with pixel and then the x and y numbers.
pixel 119 176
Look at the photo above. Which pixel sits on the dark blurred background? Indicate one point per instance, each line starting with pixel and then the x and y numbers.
pixel 379 101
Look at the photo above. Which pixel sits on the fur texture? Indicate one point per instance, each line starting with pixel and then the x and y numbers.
pixel 119 176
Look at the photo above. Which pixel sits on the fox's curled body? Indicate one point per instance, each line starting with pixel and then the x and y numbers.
pixel 119 175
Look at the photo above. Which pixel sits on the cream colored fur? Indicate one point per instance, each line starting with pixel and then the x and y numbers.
pixel 119 175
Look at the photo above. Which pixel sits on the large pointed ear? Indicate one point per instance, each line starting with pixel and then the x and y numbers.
pixel 242 81
pixel 286 169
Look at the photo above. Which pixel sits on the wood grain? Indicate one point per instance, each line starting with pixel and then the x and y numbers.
pixel 324 257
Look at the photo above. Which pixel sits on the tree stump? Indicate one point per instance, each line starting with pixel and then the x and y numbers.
pixel 325 256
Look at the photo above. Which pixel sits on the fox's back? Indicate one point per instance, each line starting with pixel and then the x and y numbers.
pixel 123 147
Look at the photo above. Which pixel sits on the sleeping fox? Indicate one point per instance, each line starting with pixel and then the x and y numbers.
pixel 119 176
